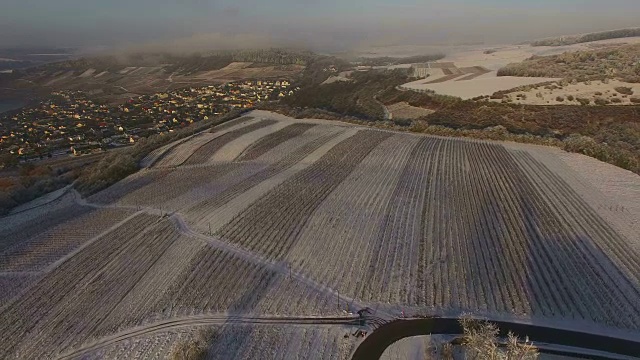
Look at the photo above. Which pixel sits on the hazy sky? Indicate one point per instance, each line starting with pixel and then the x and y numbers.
pixel 319 24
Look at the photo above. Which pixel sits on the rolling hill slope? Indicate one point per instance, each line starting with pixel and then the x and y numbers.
pixel 270 231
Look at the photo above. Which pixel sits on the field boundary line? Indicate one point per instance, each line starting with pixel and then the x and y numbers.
pixel 68 256
pixel 150 160
pixel 278 267
pixel 63 192
pixel 20 273
pixel 58 262
pixel 152 265
pixel 216 135
pixel 226 153
pixel 230 131
pixel 180 224
pixel 150 163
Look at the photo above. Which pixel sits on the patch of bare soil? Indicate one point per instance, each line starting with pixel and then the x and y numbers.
pixel 403 110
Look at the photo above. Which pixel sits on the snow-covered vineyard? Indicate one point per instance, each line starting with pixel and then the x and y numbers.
pixel 269 232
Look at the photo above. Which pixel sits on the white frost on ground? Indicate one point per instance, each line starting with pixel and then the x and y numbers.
pixel 227 212
pixel 182 152
pixel 617 195
pixel 140 261
pixel 280 117
pixel 41 201
pixel 32 215
pixel 547 95
pixel 614 193
pixel 484 85
pixel 415 348
pixel 490 57
pixel 234 148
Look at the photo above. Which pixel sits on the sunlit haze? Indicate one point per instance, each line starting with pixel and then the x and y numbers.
pixel 320 25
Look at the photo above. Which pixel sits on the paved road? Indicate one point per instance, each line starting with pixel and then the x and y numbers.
pixel 591 345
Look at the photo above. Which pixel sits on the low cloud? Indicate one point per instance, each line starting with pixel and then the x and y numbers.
pixel 203 43
pixel 328 26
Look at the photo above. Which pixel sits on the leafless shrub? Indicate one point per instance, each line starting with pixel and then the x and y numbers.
pixel 517 349
pixel 595 65
pixel 447 351
pixel 480 339
pixel 481 342
pixel 192 349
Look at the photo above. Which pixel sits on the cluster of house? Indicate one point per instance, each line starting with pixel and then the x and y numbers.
pixel 69 122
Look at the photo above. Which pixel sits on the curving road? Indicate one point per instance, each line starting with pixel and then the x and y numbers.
pixel 547 339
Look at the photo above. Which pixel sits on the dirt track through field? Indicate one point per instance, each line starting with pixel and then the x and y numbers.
pixel 442 79
pixel 235 148
pixel 477 73
pixel 207 320
pixel 256 258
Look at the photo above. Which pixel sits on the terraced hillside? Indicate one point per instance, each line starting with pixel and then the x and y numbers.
pixel 269 233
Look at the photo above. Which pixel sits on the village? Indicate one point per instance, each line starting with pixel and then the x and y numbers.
pixel 70 123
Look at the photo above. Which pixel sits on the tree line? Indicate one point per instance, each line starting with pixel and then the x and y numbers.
pixel 578 39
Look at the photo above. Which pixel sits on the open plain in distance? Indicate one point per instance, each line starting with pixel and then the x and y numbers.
pixel 271 232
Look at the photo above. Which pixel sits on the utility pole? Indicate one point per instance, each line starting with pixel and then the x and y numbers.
pixel 338 299
pixel 209 229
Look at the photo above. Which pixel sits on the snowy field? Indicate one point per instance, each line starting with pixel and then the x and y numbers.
pixel 273 232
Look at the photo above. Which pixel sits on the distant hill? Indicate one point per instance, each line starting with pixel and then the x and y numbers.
pixel 578 39
pixel 121 76
pixel 184 64
pixel 22 58
pixel 390 61
pixel 620 62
